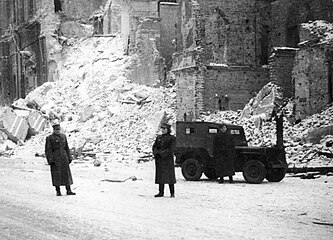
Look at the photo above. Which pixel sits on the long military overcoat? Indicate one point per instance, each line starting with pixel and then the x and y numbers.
pixel 163 149
pixel 224 153
pixel 58 157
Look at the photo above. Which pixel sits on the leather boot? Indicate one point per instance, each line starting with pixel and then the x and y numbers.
pixel 69 191
pixel 58 191
pixel 231 180
pixel 172 190
pixel 160 191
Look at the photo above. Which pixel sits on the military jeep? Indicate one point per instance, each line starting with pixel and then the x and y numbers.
pixel 194 153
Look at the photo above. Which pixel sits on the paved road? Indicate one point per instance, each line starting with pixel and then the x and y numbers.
pixel 112 209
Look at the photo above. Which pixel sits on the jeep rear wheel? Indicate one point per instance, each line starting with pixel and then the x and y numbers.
pixel 210 173
pixel 191 169
pixel 275 174
pixel 254 171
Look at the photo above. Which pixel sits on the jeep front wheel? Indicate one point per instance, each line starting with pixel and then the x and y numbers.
pixel 275 174
pixel 254 171
pixel 191 169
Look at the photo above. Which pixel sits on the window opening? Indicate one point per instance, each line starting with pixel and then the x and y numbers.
pixel 57 6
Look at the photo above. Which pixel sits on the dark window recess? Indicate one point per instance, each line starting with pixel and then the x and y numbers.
pixel 57 6
pixel 330 81
pixel 292 36
pixel 265 45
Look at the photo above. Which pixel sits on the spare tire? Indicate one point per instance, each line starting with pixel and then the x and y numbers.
pixel 191 169
pixel 254 171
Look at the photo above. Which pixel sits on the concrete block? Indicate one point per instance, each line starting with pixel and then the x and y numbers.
pixel 36 121
pixel 14 126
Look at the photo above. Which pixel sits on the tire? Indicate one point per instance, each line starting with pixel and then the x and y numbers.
pixel 254 171
pixel 191 169
pixel 210 173
pixel 275 174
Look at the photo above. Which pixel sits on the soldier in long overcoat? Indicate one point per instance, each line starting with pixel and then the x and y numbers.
pixel 224 153
pixel 58 157
pixel 163 150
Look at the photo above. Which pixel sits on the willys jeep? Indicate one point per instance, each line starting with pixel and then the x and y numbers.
pixel 194 153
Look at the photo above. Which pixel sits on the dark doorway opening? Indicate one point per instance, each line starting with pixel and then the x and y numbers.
pixel 292 36
pixel 330 81
pixel 57 6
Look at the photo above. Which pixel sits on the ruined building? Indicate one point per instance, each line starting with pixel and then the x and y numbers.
pixel 23 65
pixel 219 52
pixel 227 50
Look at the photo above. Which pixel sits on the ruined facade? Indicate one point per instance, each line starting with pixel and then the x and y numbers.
pixel 313 68
pixel 220 54
pixel 228 50
pixel 287 15
pixel 23 65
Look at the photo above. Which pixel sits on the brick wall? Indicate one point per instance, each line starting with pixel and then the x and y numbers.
pixel 186 100
pixel 310 75
pixel 15 13
pixel 281 64
pixel 81 9
pixel 229 35
pixel 145 8
pixel 149 65
pixel 239 83
pixel 288 14
pixel 228 30
pixel 168 15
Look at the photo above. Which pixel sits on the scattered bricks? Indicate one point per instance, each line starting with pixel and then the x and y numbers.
pixel 15 127
pixel 36 121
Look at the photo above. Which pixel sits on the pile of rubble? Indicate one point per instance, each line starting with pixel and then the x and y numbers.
pixel 320 31
pixel 100 110
pixel 104 114
pixel 308 143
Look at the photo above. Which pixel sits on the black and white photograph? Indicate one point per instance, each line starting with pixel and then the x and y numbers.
pixel 166 119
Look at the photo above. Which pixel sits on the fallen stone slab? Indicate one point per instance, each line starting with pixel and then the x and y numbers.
pixel 15 127
pixel 317 134
pixel 36 122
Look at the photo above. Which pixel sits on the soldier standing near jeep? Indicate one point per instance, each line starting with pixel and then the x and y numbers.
pixel 163 150
pixel 224 152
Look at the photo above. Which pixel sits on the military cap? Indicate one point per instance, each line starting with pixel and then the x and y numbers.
pixel 165 125
pixel 56 125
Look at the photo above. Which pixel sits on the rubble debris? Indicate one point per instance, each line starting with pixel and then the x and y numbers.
pixel 133 178
pixel 15 126
pixel 265 103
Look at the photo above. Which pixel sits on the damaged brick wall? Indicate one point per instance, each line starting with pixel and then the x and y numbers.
pixel 288 14
pixel 238 83
pixel 145 42
pixel 281 64
pixel 168 14
pixel 228 30
pixel 81 9
pixel 15 12
pixel 232 37
pixel 8 76
pixel 148 67
pixel 22 62
pixel 188 67
pixel 310 75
